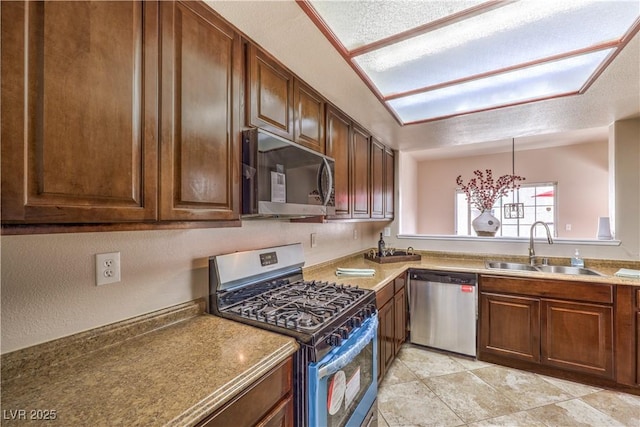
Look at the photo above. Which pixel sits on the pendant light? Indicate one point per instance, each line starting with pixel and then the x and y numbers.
pixel 514 210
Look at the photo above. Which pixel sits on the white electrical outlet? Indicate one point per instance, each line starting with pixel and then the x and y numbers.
pixel 387 231
pixel 313 240
pixel 355 234
pixel 107 268
pixel 567 227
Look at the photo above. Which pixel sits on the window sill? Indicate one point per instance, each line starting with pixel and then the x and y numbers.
pixel 500 239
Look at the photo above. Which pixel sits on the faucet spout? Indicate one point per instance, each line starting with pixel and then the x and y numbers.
pixel 532 252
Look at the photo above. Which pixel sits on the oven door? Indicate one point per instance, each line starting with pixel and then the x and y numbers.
pixel 344 384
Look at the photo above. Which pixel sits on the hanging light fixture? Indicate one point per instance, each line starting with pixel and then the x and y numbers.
pixel 514 210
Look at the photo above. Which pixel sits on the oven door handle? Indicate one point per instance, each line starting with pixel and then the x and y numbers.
pixel 341 360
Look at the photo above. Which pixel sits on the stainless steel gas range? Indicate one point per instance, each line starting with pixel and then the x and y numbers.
pixel 335 370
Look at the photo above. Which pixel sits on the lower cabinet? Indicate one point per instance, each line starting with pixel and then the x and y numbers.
pixel 510 326
pixel 268 402
pixel 554 324
pixel 627 336
pixel 392 329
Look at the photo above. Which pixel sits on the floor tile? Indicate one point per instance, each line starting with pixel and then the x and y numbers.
pixel 381 421
pixel 527 390
pixel 623 407
pixel 573 413
pixel 522 418
pixel 573 388
pixel 454 390
pixel 427 364
pixel 470 364
pixel 469 397
pixel 413 404
pixel 398 373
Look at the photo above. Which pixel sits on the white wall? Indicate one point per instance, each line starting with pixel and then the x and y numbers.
pixel 48 281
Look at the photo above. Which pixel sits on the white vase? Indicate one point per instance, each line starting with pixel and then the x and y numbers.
pixel 486 224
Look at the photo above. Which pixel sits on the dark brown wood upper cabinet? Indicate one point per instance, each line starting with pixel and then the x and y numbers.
pixel 389 183
pixel 200 122
pixel 377 179
pixel 79 111
pixel 361 188
pixel 270 94
pixel 308 117
pixel 338 146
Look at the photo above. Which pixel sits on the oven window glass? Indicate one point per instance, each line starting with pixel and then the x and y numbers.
pixel 346 388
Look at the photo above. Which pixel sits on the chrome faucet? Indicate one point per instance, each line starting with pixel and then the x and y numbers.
pixel 532 252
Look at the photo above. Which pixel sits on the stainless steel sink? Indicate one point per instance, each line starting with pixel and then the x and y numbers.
pixel 567 270
pixel 559 269
pixel 509 266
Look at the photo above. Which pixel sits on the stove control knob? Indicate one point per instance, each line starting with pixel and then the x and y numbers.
pixel 334 340
pixel 357 321
pixel 344 332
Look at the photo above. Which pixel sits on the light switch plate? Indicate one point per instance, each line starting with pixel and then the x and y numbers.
pixel 387 231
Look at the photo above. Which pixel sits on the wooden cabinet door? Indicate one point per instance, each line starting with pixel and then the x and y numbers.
pixel 201 74
pixel 400 317
pixel 386 340
pixel 270 93
pixel 510 326
pixel 360 202
pixel 638 348
pixel 308 117
pixel 578 337
pixel 389 183
pixel 79 111
pixel 377 179
pixel 338 134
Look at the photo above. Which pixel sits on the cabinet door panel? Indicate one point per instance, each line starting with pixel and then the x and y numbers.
pixel 79 115
pixel 578 337
pixel 389 184
pixel 510 326
pixel 270 94
pixel 338 147
pixel 308 117
pixel 400 319
pixel 200 126
pixel 377 179
pixel 360 173
pixel 386 351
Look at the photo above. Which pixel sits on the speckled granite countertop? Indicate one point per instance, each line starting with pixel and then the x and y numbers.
pixel 446 261
pixel 168 368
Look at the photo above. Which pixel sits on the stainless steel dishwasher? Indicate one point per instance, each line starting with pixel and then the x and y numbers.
pixel 443 310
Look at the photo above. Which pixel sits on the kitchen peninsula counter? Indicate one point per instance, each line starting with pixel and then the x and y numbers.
pixel 446 261
pixel 168 368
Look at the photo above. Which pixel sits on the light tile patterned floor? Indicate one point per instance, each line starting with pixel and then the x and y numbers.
pixel 430 388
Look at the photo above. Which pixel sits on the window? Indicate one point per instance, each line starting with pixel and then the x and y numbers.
pixel 539 205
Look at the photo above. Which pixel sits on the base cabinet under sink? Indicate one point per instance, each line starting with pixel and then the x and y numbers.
pixel 554 324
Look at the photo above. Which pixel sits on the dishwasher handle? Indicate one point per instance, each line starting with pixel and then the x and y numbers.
pixel 443 277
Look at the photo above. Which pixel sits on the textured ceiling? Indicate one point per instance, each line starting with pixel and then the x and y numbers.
pixel 284 30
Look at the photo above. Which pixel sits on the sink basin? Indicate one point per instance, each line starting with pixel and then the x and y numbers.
pixel 560 269
pixel 567 270
pixel 509 266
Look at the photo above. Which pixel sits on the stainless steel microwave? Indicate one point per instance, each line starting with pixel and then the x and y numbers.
pixel 283 179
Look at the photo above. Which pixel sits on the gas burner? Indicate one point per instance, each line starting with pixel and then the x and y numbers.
pixel 298 305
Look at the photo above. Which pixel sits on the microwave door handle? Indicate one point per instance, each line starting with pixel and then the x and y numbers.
pixel 325 168
pixel 343 359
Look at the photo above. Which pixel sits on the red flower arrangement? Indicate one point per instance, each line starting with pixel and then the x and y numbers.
pixel 482 191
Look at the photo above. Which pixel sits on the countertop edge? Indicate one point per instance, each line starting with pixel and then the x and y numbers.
pixel 217 399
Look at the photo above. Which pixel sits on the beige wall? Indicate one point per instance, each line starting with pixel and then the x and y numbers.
pixel 48 281
pixel 581 171
pixel 624 143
